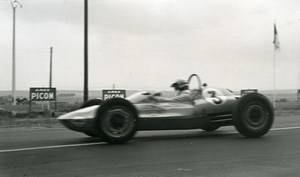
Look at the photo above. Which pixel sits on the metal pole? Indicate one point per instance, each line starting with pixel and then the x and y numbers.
pixel 14 5
pixel 85 91
pixel 14 58
pixel 50 79
pixel 298 90
pixel 276 47
pixel 274 79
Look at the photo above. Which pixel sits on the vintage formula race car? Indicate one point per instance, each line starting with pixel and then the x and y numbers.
pixel 117 120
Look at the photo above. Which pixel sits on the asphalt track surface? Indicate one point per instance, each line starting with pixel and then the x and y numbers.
pixel 63 153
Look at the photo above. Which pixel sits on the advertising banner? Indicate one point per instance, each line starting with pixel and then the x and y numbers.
pixel 42 94
pixel 109 94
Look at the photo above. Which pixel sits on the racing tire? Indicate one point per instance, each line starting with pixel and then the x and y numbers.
pixel 253 115
pixel 91 102
pixel 116 121
pixel 210 127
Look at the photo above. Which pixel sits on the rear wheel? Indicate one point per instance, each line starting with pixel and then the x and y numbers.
pixel 253 115
pixel 117 121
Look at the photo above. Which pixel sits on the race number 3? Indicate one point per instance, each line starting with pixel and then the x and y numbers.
pixel 216 100
pixel 214 96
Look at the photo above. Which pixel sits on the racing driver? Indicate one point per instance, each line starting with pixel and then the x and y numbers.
pixel 183 93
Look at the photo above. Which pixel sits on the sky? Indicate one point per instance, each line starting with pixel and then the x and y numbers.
pixel 142 44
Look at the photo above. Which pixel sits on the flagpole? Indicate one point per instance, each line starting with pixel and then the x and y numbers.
pixel 276 47
pixel 274 78
pixel 298 84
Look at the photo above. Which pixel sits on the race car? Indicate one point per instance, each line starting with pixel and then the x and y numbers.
pixel 117 120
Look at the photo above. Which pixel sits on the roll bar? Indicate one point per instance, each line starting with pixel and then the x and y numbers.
pixel 198 78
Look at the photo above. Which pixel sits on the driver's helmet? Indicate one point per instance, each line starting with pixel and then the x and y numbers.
pixel 180 84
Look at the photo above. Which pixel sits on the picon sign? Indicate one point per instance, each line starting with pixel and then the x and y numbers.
pixel 42 94
pixel 109 94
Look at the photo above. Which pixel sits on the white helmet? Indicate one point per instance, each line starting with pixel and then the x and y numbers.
pixel 180 83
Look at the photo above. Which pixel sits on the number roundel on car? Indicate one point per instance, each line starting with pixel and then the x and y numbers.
pixel 214 96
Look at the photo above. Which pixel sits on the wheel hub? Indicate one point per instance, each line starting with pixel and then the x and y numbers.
pixel 117 123
pixel 256 116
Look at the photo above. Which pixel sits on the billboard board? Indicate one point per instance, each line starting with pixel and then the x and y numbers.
pixel 42 94
pixel 109 94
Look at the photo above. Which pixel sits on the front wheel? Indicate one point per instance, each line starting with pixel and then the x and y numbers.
pixel 117 121
pixel 253 115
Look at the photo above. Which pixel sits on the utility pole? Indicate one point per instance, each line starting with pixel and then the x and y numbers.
pixel 14 4
pixel 50 79
pixel 85 91
pixel 50 76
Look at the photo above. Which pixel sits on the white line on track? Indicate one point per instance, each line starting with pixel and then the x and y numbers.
pixel 285 128
pixel 273 129
pixel 98 143
pixel 50 147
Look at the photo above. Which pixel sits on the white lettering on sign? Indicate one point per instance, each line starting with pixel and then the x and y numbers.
pixel 33 95
pixel 42 90
pixel 114 91
pixel 42 96
pixel 110 96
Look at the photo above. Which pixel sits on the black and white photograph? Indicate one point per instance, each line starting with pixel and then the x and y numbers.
pixel 141 88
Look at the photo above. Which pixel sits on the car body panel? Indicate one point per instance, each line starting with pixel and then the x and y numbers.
pixel 209 104
pixel 84 113
pixel 164 109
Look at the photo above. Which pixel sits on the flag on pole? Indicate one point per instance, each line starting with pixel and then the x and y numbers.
pixel 276 40
pixel 276 47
